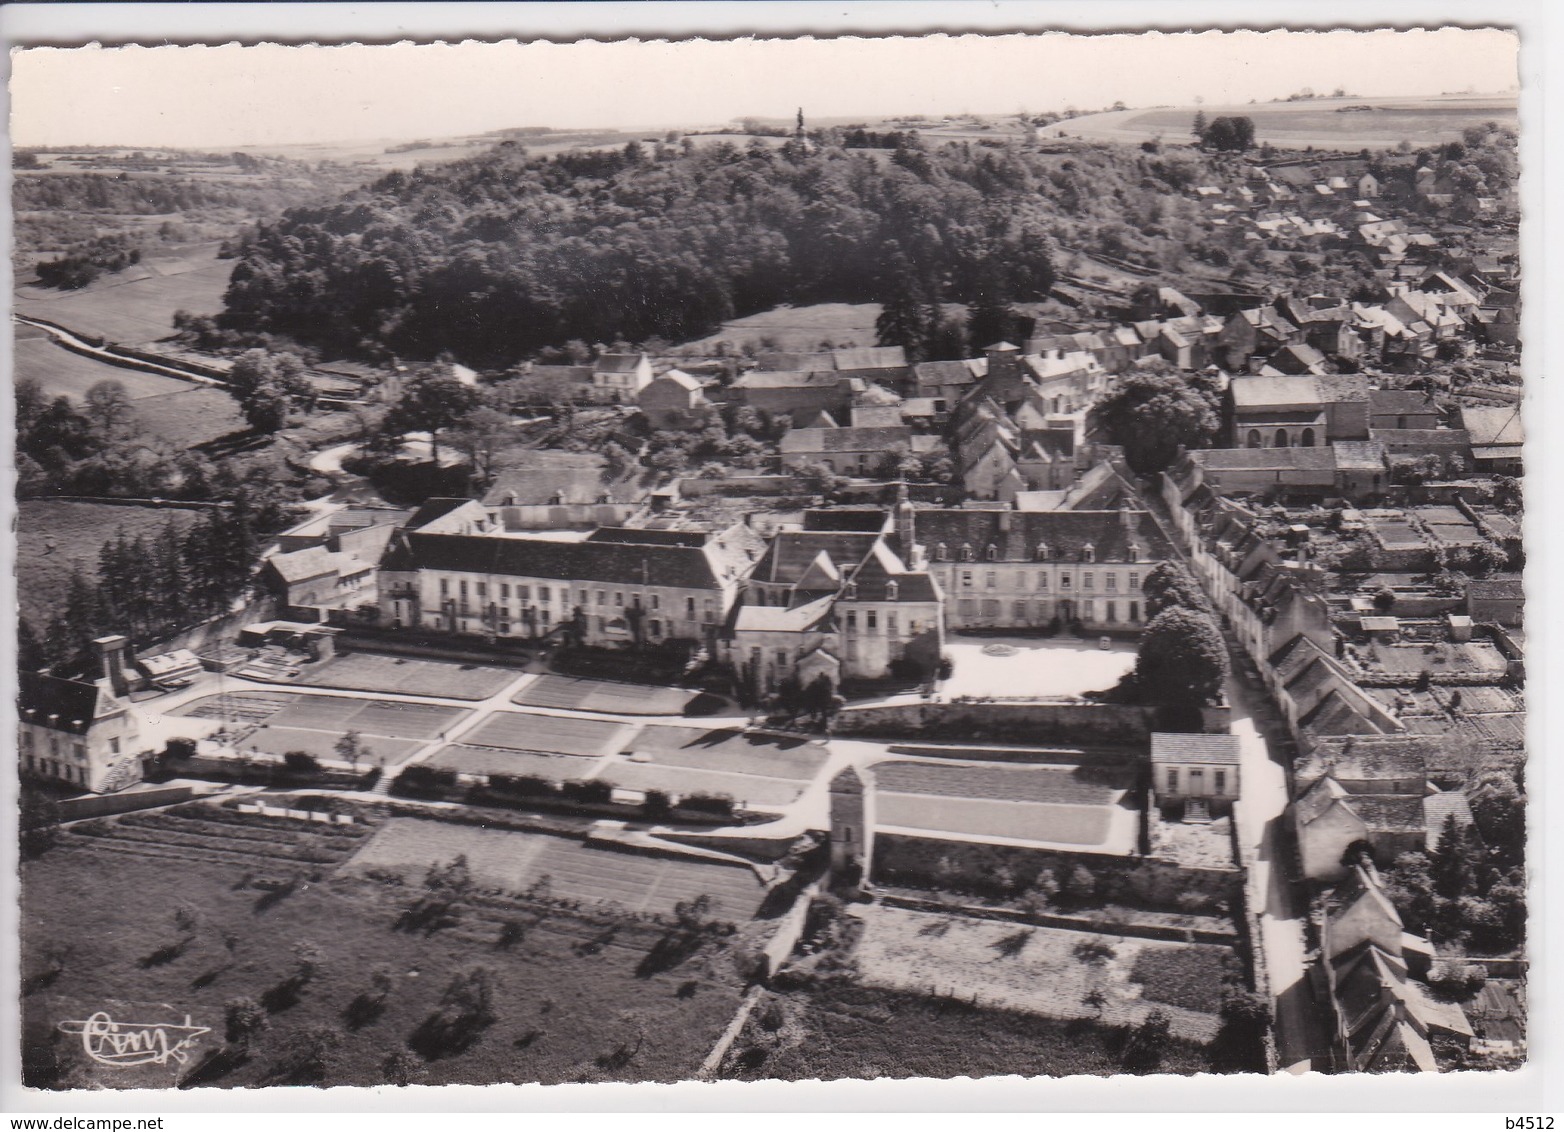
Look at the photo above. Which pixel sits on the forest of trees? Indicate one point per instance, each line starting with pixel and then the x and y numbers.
pixel 499 256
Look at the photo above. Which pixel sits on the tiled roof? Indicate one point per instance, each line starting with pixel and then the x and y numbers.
pixel 1263 459
pixel 1367 758
pixel 642 536
pixel 792 552
pixel 432 509
pixel 685 567
pixel 1492 427
pixel 844 439
pixel 870 357
pixel 777 619
pixel 1263 392
pixel 299 565
pixel 1390 813
pixel 49 701
pixel 1191 748
pixel 1500 588
pixel 789 379
pixel 821 362
pixel 1439 808
pixel 617 363
pixel 1392 401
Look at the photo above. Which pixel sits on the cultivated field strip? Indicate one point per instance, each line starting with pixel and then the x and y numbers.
pixel 372 672
pixel 322 744
pixel 379 717
pixel 745 788
pixel 213 833
pixel 466 759
pixel 1005 783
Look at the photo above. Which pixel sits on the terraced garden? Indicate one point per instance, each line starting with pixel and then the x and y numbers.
pixel 516 862
pixel 982 817
pixel 465 759
pixel 549 734
pixel 732 751
pixel 749 790
pixel 372 672
pixel 216 833
pixel 1008 783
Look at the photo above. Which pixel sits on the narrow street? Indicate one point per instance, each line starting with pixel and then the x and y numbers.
pixel 1300 1035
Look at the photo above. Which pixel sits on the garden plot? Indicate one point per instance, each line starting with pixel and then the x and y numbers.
pixel 516 862
pixel 549 734
pixel 1469 657
pixel 484 761
pixel 1044 970
pixel 323 744
pixel 1062 785
pixel 732 751
pixel 980 819
pixel 607 696
pixel 240 707
pixel 748 790
pixel 372 672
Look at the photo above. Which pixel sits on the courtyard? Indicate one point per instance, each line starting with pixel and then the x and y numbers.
pixel 1006 667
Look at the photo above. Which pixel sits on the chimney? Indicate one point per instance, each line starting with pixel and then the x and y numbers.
pixel 111 654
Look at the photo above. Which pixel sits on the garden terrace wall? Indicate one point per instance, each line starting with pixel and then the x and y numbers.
pixel 101 805
pixel 1068 724
pixel 922 862
pixel 1085 923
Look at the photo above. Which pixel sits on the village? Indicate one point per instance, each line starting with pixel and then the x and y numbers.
pixel 985 684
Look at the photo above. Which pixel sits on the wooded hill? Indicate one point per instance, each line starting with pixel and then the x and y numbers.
pixel 498 256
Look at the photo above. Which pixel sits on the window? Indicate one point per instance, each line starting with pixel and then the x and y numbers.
pixel 1134 552
pixel 445 587
pixel 990 609
pixel 1042 579
pixel 852 620
pixel 483 589
pixel 967 606
pixel 992 580
pixel 992 553
pixel 582 599
pixel 1020 611
pixel 505 591
pixel 689 608
pixel 1088 581
pixel 1111 581
pixel 505 626
pixel 871 620
pixel 1064 581
pixel 1281 438
pixel 941 552
pixel 1219 782
pixel 1254 438
pixel 464 589
pixel 890 623
pixel 966 552
pixel 966 578
pixel 655 627
pixel 781 658
pixel 891 591
pixel 1088 553
pixel 657 601
pixel 619 600
pixel 1134 611
pixel 544 594
pixel 1088 610
pixel 602 597
pixel 1112 613
pixel 1134 580
pixel 1172 780
pixel 711 612
pixel 1042 552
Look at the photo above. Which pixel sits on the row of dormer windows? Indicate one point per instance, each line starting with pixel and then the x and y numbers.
pixel 1041 553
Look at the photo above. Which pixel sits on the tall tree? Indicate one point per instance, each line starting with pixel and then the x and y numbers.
pixel 1151 413
pixel 431 402
pixel 1182 659
pixel 990 317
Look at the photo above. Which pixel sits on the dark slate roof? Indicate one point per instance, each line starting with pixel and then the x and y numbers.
pixel 1389 813
pixel 792 552
pixel 1066 534
pixel 1167 747
pixel 49 701
pixel 944 373
pixel 865 520
pixel 871 581
pixel 1365 758
pixel 778 362
pixel 617 363
pixel 844 439
pixel 1386 401
pixel 1319 458
pixel 641 536
pixel 1500 588
pixel 430 510
pixel 789 379
pixel 870 357
pixel 685 567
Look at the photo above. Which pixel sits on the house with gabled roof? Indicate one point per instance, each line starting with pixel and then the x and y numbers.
pixel 78 733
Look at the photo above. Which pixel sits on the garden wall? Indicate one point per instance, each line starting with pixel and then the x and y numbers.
pixel 1066 723
pixel 967 866
pixel 101 805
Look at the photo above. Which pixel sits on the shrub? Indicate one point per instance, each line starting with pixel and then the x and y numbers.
pixel 525 785
pixel 425 780
pixel 180 748
pixel 590 790
pixel 656 804
pixel 718 804
pixel 301 762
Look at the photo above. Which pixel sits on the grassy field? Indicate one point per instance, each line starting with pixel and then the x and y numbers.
pixel 136 306
pixel 371 672
pixel 845 1030
pixel 1423 121
pixel 178 411
pixel 800 329
pixel 391 718
pixel 573 995
pixel 732 751
pixel 77 531
pixel 1041 970
pixel 1007 783
pixel 549 734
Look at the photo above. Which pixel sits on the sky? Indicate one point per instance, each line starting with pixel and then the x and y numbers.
pixel 232 95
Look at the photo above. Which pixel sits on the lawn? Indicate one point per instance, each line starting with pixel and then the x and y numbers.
pixel 1192 977
pixel 193 415
pixel 572 999
pixel 549 734
pixel 135 307
pixel 1035 969
pixel 1037 667
pixel 62 373
pixel 800 329
pixel 241 707
pixel 323 744
pixel 982 817
pixel 514 862
pixel 373 672
pixel 378 717
pixel 78 532
pixel 1006 783
pixel 729 750
pixel 607 696
pixel 846 1030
